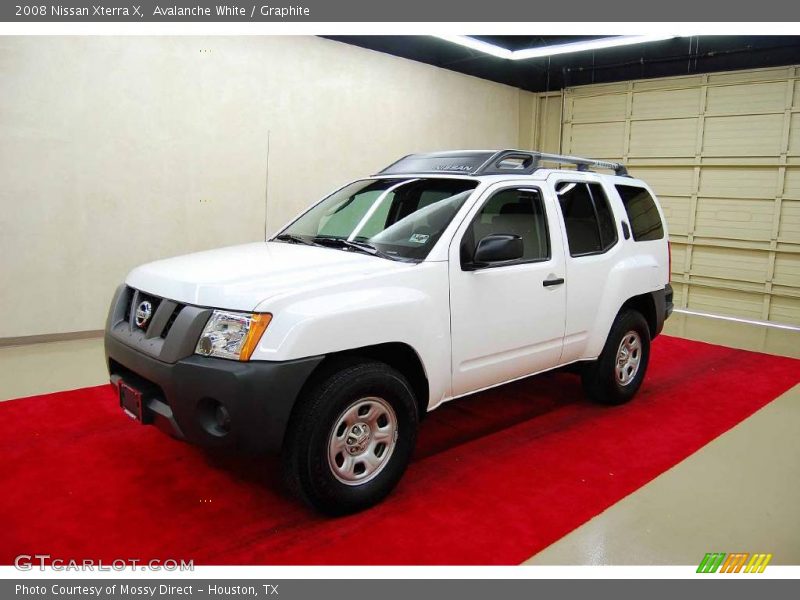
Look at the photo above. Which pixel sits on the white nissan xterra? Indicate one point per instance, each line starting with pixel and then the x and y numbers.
pixel 443 275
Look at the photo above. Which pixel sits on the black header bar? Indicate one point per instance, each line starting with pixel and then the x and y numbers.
pixel 458 11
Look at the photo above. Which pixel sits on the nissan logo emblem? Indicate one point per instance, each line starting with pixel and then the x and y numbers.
pixel 143 313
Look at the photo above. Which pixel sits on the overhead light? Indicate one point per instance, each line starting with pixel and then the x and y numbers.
pixel 542 51
pixel 598 44
pixel 485 47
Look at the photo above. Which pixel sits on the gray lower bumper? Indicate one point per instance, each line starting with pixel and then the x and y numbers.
pixel 669 306
pixel 185 397
pixel 662 299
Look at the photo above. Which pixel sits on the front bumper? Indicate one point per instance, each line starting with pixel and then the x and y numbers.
pixel 184 397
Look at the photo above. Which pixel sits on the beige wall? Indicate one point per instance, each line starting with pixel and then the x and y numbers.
pixel 548 123
pixel 540 121
pixel 117 151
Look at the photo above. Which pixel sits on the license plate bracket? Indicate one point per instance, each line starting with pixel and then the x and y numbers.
pixel 132 401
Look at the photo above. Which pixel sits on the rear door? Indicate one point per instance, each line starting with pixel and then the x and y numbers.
pixel 508 319
pixel 591 245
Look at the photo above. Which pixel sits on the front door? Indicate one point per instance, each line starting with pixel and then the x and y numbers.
pixel 507 319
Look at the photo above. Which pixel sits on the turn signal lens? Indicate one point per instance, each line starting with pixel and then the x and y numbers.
pixel 258 325
pixel 669 269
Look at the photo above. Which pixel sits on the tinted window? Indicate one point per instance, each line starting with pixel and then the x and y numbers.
pixel 587 217
pixel 342 221
pixel 642 213
pixel 403 218
pixel 608 229
pixel 514 211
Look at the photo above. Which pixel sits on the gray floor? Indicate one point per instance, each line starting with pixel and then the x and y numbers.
pixel 740 493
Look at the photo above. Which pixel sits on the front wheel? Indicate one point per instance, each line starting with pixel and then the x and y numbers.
pixel 351 437
pixel 617 374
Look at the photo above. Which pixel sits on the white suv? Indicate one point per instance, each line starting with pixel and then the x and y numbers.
pixel 443 275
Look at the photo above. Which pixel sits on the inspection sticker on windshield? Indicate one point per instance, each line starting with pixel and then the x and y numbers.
pixel 419 238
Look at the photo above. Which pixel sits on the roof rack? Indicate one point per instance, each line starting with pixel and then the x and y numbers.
pixel 490 162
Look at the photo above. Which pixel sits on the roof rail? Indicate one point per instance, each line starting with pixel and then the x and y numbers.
pixel 495 166
pixel 488 162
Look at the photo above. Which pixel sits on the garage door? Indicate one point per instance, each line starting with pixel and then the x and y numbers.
pixel 723 153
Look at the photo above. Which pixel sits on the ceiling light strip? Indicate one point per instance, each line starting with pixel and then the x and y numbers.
pixel 543 51
pixel 485 47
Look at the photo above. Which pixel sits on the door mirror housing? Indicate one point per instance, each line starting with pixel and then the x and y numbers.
pixel 497 248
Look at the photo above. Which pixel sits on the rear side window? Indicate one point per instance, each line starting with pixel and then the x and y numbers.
pixel 587 217
pixel 642 213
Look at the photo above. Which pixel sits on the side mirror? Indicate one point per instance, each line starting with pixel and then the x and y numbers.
pixel 496 248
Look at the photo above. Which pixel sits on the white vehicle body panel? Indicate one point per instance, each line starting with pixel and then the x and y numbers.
pixel 505 323
pixel 242 277
pixel 598 284
pixel 406 304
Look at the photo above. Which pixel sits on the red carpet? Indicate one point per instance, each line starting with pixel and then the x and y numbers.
pixel 497 477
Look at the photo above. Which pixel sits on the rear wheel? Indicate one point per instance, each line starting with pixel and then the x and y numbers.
pixel 617 374
pixel 351 437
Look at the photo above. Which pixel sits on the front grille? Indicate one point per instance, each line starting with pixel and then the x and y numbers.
pixel 157 322
pixel 170 333
pixel 129 293
pixel 171 320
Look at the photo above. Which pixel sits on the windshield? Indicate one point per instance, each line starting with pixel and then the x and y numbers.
pixel 399 218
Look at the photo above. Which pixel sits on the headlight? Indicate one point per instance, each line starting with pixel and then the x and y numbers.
pixel 232 335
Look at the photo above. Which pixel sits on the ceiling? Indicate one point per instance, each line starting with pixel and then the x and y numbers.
pixel 677 56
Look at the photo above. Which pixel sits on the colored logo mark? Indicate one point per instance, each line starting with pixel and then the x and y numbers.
pixel 743 562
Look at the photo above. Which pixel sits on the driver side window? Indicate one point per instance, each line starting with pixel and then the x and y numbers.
pixel 515 211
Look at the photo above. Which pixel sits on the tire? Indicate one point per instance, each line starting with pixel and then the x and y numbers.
pixel 326 440
pixel 617 374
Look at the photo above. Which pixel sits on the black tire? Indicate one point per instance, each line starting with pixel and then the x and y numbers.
pixel 600 378
pixel 307 471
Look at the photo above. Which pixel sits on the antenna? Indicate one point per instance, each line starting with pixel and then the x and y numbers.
pixel 266 188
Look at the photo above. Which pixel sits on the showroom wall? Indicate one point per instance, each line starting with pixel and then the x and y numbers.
pixel 117 151
pixel 722 150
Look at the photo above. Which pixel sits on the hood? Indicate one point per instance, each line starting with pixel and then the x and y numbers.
pixel 241 277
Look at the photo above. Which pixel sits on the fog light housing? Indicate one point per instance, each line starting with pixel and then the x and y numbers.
pixel 213 417
pixel 223 418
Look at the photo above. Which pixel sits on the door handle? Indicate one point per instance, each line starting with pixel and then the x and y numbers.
pixel 550 282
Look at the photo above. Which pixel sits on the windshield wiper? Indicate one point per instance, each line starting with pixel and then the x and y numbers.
pixel 362 247
pixel 294 239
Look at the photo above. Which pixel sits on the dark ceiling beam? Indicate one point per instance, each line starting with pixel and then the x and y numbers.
pixel 678 56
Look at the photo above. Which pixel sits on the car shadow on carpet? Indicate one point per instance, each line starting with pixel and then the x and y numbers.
pixel 449 426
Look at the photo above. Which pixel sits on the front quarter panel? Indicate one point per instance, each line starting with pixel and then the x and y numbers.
pixel 409 306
